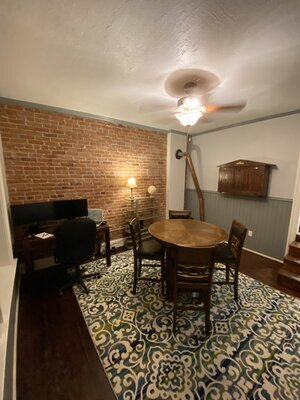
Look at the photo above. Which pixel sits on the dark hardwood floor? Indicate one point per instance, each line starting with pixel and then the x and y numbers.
pixel 56 359
pixel 264 270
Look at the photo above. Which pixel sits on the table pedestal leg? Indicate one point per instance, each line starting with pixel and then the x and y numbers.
pixel 169 273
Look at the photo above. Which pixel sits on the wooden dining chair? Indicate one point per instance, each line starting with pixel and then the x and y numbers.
pixel 193 273
pixel 143 252
pixel 229 254
pixel 180 214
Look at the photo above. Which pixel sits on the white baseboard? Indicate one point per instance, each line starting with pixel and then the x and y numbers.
pixel 117 243
pixel 263 255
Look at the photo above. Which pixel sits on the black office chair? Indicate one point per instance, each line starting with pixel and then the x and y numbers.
pixel 180 214
pixel 74 245
pixel 229 254
pixel 149 249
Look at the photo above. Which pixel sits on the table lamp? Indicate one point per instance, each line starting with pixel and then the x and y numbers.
pixel 131 184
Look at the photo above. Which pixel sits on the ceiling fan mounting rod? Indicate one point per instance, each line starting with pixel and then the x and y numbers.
pixel 189 86
pixel 189 163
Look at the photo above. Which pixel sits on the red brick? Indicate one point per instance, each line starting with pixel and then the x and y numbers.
pixel 49 155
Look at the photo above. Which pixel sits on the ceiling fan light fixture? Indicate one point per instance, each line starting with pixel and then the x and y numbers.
pixel 188 103
pixel 189 110
pixel 189 118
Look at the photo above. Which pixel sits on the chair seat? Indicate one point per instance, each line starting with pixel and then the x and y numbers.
pixel 192 278
pixel 192 275
pixel 151 249
pixel 223 253
pixel 180 214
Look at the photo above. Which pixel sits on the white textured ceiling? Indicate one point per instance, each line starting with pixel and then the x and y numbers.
pixel 111 58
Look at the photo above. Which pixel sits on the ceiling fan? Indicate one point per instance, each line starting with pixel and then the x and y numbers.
pixel 192 87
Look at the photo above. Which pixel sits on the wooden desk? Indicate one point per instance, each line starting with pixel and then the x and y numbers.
pixel 184 232
pixel 34 247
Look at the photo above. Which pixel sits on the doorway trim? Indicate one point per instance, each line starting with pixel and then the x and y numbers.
pixel 295 213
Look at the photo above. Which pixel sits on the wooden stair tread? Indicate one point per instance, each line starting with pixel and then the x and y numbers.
pixel 289 274
pixel 292 259
pixel 289 279
pixel 294 249
pixel 295 244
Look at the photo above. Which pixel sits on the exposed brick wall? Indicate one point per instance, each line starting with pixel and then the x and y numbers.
pixel 50 155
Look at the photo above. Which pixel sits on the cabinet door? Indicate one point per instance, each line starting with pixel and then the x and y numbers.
pixel 250 180
pixel 243 177
pixel 226 179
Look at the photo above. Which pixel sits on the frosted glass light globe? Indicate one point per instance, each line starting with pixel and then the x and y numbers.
pixel 151 190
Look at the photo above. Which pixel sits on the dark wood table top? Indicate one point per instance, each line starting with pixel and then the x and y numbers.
pixel 187 232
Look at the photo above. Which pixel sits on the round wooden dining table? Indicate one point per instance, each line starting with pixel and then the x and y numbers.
pixel 184 232
pixel 187 232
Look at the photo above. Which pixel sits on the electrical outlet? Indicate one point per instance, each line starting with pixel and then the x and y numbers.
pixel 250 233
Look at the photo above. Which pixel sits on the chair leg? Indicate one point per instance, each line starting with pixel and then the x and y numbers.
pixel 135 274
pixel 206 301
pixel 163 277
pixel 207 325
pixel 236 282
pixel 83 285
pixel 169 274
pixel 174 310
pixel 174 318
pixel 227 273
pixel 139 268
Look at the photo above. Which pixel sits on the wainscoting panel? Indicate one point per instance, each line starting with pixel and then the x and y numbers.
pixel 267 218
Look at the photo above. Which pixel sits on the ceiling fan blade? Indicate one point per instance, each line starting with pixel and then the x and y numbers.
pixel 231 107
pixel 206 119
pixel 154 103
pixel 166 120
pixel 153 108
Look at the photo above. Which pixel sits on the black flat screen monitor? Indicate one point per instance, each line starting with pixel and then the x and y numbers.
pixel 33 213
pixel 68 209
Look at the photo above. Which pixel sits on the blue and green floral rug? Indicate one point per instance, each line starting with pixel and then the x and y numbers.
pixel 253 351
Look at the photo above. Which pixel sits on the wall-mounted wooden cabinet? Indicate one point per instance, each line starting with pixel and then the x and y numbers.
pixel 244 177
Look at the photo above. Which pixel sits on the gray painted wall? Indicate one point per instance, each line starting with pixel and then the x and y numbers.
pixel 267 218
pixel 275 141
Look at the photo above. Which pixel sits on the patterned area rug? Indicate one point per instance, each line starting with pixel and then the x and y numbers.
pixel 253 351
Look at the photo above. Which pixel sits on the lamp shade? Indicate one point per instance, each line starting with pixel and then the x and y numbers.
pixel 131 182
